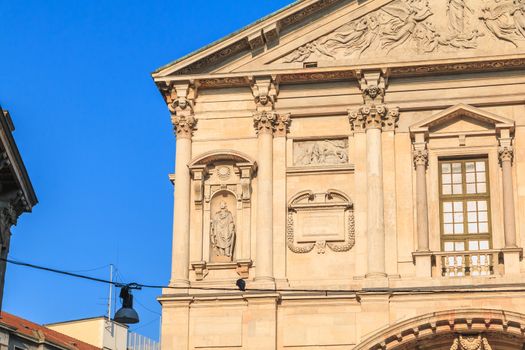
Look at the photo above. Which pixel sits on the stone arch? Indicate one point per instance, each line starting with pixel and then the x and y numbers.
pixel 438 330
pixel 222 155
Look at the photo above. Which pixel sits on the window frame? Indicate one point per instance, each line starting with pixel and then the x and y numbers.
pixel 464 198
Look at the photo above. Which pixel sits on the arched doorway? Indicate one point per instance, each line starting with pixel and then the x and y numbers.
pixel 469 329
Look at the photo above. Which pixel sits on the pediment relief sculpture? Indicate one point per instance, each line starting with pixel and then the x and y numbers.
pixel 421 27
pixel 320 220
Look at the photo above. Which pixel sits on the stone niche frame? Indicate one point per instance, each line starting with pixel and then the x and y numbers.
pixel 333 206
pixel 214 174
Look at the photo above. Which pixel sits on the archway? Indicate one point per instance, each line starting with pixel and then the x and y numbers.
pixel 469 329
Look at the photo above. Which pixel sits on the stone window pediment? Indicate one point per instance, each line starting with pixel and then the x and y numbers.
pixel 462 119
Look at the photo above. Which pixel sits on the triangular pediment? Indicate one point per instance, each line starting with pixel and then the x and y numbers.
pixel 332 33
pixel 460 119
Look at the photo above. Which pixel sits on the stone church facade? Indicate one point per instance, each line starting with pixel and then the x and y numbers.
pixel 361 166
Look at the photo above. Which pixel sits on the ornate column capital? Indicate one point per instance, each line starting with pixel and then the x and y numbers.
pixel 282 125
pixel 420 157
pixel 180 98
pixel 374 116
pixel 264 122
pixel 506 153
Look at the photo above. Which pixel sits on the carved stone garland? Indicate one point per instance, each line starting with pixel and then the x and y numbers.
pixel 308 200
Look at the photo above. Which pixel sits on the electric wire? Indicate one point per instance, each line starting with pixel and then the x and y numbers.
pixel 502 288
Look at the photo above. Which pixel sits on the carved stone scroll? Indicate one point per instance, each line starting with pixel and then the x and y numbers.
pixel 320 220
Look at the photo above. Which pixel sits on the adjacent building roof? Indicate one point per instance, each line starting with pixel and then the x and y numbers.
pixel 40 334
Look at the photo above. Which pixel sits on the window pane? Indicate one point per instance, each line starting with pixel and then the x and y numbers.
pixel 482 177
pixel 482 188
pixel 447 189
pixel 447 207
pixel 471 188
pixel 460 246
pixel 445 168
pixel 456 168
pixel 471 206
pixel 471 178
pixel 473 245
pixel 472 217
pixel 483 227
pixel 458 206
pixel 456 178
pixel 470 167
pixel 480 166
pixel 484 245
pixel 482 216
pixel 482 205
pixel 458 229
pixel 449 246
pixel 449 229
pixel 447 178
pixel 472 228
pixel 448 218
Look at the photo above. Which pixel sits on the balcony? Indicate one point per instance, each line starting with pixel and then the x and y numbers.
pixel 480 263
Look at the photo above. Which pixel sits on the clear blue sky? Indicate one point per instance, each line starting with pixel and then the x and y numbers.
pixel 96 139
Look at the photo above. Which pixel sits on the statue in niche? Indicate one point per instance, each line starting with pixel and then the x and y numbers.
pixel 321 152
pixel 223 231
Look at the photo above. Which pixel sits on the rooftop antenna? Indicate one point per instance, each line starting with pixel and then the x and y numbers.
pixel 109 327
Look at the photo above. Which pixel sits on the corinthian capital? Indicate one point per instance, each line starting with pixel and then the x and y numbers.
pixel 506 153
pixel 183 125
pixel 420 157
pixel 374 117
pixel 282 125
pixel 265 121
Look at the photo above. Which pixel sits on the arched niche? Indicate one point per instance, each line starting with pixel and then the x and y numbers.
pixel 320 220
pixel 222 175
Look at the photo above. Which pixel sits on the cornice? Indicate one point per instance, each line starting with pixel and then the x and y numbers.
pixel 343 73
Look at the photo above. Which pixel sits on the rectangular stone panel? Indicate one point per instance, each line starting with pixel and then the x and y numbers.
pixel 322 225
pixel 318 326
pixel 320 152
pixel 213 329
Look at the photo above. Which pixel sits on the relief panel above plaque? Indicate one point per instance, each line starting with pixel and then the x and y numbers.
pixel 320 152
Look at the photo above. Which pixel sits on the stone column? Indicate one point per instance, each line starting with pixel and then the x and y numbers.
pixel 506 154
pixel 180 99
pixel 375 198
pixel 371 118
pixel 279 201
pixel 264 124
pixel 181 217
pixel 420 163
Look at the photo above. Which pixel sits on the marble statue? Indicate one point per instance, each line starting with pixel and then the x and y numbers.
pixel 223 231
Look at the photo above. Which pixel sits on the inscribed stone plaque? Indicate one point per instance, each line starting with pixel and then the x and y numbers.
pixel 322 225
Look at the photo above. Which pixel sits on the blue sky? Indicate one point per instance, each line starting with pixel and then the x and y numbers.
pixel 96 139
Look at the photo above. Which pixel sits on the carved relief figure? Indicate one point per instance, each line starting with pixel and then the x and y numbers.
pixel 456 15
pixel 407 24
pixel 223 231
pixel 470 342
pixel 321 152
pixel 505 19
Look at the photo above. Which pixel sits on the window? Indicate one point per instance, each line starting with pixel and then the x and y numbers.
pixel 464 205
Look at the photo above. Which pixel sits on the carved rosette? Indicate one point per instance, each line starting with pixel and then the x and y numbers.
pixel 265 121
pixel 506 154
pixel 282 125
pixel 420 157
pixel 374 116
pixel 183 125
